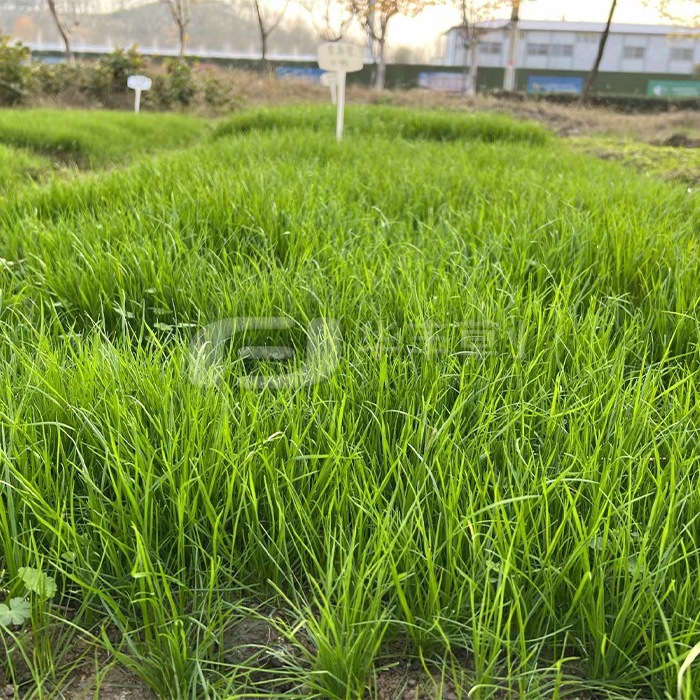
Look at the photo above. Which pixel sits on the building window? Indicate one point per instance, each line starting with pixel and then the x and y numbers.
pixel 562 50
pixel 557 50
pixel 636 52
pixel 588 38
pixel 537 49
pixel 490 48
pixel 678 54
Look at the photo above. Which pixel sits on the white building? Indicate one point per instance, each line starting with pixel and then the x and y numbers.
pixel 572 46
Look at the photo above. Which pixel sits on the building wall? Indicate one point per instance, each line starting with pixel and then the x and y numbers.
pixel 559 50
pixel 607 83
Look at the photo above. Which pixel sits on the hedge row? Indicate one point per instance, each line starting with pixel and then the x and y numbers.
pixel 175 83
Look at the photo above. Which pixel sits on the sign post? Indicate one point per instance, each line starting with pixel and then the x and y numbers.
pixel 331 80
pixel 340 58
pixel 137 83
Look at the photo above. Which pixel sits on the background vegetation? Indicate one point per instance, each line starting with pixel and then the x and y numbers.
pixel 102 83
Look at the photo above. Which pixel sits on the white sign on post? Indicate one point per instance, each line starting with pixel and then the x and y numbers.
pixel 340 58
pixel 330 80
pixel 138 83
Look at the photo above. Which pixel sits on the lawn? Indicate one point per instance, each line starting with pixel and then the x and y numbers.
pixel 474 473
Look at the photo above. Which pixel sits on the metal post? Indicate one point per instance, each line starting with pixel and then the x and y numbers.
pixel 341 105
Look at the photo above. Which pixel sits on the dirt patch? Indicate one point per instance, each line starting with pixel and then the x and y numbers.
pixel 116 684
pixel 681 141
pixel 579 120
pixel 84 670
pixel 98 679
pixel 255 642
pixel 413 683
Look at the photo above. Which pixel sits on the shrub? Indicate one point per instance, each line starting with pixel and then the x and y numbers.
pixel 176 87
pixel 95 82
pixel 53 78
pixel 109 76
pixel 120 64
pixel 217 94
pixel 15 72
pixel 182 82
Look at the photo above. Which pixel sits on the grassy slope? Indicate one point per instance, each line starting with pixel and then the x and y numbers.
pixel 18 166
pixel 521 488
pixel 97 138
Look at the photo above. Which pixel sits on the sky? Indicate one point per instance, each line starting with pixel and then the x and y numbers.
pixel 424 30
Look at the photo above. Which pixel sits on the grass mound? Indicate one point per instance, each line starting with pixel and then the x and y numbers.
pixel 96 138
pixel 389 121
pixel 18 166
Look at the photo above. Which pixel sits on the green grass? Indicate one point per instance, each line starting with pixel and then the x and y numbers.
pixel 18 167
pixel 387 121
pixel 498 481
pixel 97 139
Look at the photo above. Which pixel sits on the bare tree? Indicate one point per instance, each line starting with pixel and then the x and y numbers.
pixel 475 22
pixel 331 18
pixel 180 12
pixel 514 28
pixel 374 17
pixel 601 50
pixel 268 20
pixel 66 16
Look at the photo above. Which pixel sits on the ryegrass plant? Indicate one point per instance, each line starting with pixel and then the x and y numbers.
pixel 499 480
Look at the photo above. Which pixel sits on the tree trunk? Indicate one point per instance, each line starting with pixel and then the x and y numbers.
pixel 509 73
pixel 473 69
pixel 465 68
pixel 62 30
pixel 70 56
pixel 263 38
pixel 372 42
pixel 381 66
pixel 373 53
pixel 182 30
pixel 263 51
pixel 601 50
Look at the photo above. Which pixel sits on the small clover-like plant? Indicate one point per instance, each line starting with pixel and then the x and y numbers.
pixel 36 581
pixel 17 612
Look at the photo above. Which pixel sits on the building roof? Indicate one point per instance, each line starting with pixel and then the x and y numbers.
pixel 536 25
